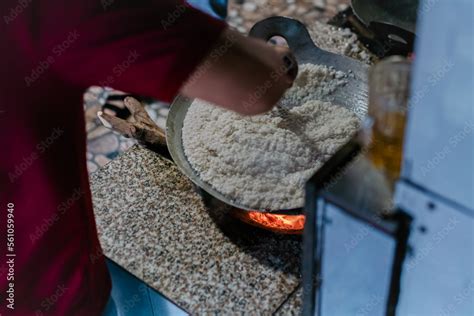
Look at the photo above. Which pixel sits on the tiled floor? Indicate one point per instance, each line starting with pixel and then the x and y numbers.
pixel 245 13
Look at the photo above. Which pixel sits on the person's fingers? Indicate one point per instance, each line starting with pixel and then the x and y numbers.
pixel 289 61
pixel 112 122
pixel 277 57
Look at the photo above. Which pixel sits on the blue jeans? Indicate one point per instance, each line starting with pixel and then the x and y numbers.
pixel 132 297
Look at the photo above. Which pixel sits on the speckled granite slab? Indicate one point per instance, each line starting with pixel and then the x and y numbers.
pixel 152 223
pixel 293 306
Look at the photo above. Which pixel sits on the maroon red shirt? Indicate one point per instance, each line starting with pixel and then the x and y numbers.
pixel 51 51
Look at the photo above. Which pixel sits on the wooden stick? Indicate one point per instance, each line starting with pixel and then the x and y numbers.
pixel 141 127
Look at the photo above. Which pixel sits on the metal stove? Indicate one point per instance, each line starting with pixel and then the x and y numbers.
pixel 366 253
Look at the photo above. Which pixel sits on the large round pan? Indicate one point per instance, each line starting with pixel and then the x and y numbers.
pixel 399 13
pixel 353 95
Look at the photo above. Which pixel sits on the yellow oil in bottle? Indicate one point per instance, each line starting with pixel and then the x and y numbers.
pixel 387 143
pixel 388 105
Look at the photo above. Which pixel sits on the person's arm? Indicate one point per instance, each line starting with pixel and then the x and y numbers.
pixel 243 74
pixel 153 47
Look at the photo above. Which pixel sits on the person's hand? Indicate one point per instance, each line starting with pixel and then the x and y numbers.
pixel 243 74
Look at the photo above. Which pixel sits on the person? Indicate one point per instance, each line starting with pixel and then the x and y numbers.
pixel 51 52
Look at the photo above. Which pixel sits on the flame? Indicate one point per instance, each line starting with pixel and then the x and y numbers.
pixel 286 224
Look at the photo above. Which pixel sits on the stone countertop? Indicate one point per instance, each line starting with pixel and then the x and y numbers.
pixel 151 222
pixel 293 306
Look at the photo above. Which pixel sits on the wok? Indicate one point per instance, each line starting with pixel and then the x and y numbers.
pixel 353 95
